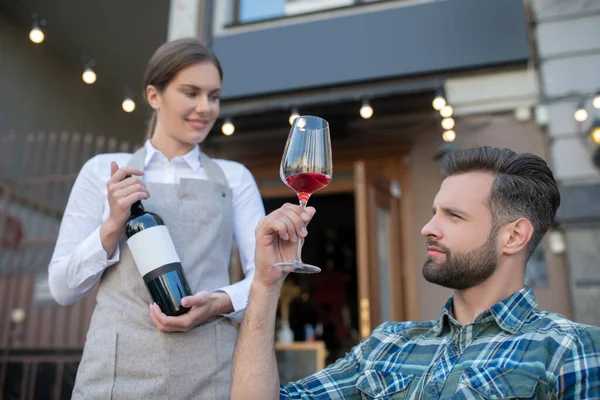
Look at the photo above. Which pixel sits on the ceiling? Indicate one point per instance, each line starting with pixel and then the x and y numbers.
pixel 120 36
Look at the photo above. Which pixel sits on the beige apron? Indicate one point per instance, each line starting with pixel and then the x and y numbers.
pixel 125 355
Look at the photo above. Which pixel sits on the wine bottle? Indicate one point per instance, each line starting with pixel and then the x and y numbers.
pixel 155 256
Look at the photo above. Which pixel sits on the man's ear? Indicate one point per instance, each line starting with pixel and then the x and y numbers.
pixel 516 236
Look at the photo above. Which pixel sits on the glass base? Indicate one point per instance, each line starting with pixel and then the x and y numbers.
pixel 299 268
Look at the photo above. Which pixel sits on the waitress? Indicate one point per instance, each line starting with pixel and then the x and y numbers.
pixel 133 350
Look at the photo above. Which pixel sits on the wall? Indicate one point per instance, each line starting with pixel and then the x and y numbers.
pixel 569 55
pixel 491 130
pixel 40 92
pixel 391 39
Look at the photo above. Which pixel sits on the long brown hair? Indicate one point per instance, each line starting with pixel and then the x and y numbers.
pixel 168 60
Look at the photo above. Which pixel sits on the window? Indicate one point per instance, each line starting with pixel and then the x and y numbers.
pixel 258 10
pixel 248 11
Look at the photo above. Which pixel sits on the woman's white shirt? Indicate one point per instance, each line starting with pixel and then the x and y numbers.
pixel 79 258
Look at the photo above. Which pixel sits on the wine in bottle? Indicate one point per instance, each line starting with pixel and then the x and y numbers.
pixel 155 256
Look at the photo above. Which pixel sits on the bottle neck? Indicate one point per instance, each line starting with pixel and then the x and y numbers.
pixel 137 208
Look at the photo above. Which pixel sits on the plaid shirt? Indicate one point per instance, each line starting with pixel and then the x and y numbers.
pixel 511 350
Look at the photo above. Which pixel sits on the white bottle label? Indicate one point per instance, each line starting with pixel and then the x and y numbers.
pixel 152 248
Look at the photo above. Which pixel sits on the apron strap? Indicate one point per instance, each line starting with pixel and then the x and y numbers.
pixel 137 159
pixel 214 172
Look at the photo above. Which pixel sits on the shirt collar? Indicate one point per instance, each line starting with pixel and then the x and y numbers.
pixel 192 158
pixel 510 314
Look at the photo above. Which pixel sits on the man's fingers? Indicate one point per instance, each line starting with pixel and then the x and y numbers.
pixel 298 227
pixel 306 214
pixel 277 225
pixel 289 222
pixel 310 212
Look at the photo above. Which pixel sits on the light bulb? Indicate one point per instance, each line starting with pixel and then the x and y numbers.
pixel 89 76
pixel 447 111
pixel 581 115
pixel 438 103
pixel 128 105
pixel 596 135
pixel 295 114
pixel 449 136
pixel 366 111
pixel 594 131
pixel 596 101
pixel 36 35
pixel 448 123
pixel 228 128
pixel 17 316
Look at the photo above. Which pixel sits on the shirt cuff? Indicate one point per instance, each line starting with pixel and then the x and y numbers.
pixel 94 257
pixel 238 293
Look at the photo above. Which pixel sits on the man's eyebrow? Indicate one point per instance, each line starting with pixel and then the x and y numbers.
pixel 451 210
pixel 454 210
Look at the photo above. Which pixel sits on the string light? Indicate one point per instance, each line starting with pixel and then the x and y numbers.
pixel 293 115
pixel 439 102
pixel 595 131
pixel 128 104
pixel 596 101
pixel 366 111
pixel 449 136
pixel 89 76
pixel 228 128
pixel 581 113
pixel 447 111
pixel 448 123
pixel 36 35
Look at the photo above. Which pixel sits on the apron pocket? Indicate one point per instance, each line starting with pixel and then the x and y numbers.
pixel 96 372
pixel 226 337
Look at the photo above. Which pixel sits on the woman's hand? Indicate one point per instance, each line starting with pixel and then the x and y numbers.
pixel 122 193
pixel 203 306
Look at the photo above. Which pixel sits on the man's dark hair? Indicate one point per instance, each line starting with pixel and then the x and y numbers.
pixel 524 186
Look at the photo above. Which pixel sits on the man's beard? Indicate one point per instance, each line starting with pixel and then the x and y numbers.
pixel 462 271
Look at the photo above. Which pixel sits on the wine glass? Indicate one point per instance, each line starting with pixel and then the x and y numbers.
pixel 306 168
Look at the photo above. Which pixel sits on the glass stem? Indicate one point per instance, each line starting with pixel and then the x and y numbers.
pixel 298 259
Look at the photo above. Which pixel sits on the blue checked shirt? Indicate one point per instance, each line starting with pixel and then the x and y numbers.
pixel 511 350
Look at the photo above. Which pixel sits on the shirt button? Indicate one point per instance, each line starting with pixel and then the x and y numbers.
pixel 433 389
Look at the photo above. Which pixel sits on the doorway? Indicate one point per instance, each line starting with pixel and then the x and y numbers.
pixel 328 301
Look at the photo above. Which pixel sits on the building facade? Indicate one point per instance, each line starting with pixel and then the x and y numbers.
pixel 568 55
pixel 498 63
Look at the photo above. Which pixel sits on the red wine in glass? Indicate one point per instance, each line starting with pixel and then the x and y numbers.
pixel 306 183
pixel 306 167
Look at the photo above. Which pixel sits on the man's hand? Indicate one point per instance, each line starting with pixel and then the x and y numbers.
pixel 254 371
pixel 204 306
pixel 277 237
